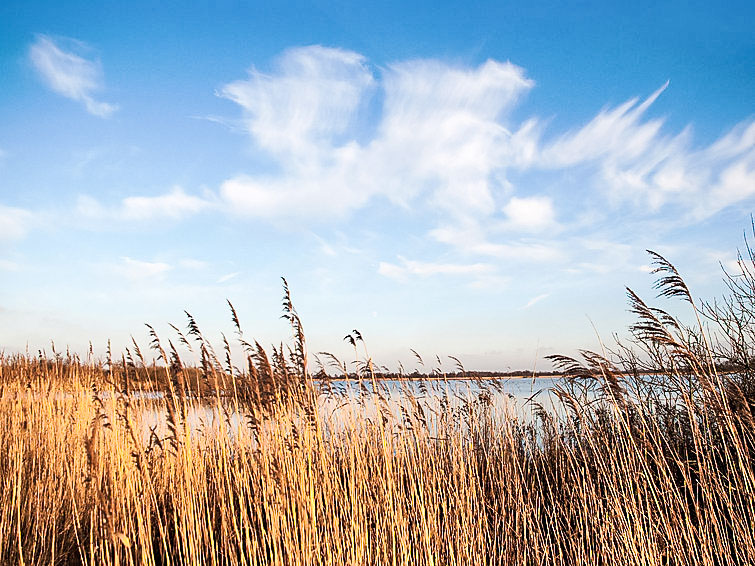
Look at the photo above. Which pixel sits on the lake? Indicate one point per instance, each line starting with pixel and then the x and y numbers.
pixel 342 401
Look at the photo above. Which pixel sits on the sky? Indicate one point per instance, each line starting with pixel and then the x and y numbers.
pixel 477 179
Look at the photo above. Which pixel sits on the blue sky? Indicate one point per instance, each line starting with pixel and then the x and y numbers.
pixel 475 179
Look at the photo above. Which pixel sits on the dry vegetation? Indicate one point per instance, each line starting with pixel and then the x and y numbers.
pixel 651 461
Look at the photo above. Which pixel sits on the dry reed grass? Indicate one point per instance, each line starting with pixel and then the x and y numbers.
pixel 652 462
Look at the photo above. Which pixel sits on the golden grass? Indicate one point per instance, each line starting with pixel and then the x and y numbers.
pixel 630 475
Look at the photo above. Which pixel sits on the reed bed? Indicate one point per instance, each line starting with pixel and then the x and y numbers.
pixel 650 460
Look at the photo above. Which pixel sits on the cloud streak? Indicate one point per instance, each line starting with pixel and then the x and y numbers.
pixel 534 300
pixel 142 271
pixel 439 139
pixel 70 74
pixel 15 223
pixel 175 204
pixel 438 135
pixel 438 143
pixel 407 267
pixel 532 214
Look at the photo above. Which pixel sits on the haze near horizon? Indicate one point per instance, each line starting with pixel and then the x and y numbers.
pixel 476 181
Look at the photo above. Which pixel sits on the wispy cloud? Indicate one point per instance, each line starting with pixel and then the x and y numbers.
pixel 439 143
pixel 531 214
pixel 7 265
pixel 438 138
pixel 471 238
pixel 193 264
pixel 534 300
pixel 142 271
pixel 69 74
pixel 618 134
pixel 14 223
pixel 324 246
pixel 175 204
pixel 439 133
pixel 309 101
pixel 407 267
pixel 227 277
pixel 636 162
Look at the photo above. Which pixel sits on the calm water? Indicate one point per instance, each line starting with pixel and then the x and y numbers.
pixel 343 400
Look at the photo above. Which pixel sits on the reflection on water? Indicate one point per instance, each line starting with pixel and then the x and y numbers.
pixel 342 401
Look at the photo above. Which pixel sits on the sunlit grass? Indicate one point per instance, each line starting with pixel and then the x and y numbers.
pixel 651 462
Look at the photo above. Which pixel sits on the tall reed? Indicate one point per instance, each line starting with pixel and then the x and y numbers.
pixel 650 460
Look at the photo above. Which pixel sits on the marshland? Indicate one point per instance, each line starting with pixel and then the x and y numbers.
pixel 174 452
pixel 460 195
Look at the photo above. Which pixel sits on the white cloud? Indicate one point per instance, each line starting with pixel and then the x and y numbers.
pixel 309 101
pixel 14 223
pixel 69 74
pixel 194 264
pixel 618 133
pixel 318 197
pixel 144 271
pixel 89 207
pixel 440 132
pixel 228 277
pixel 534 300
pixel 531 214
pixel 175 204
pixel 733 266
pixel 735 183
pixel 325 247
pixel 670 172
pixel 6 265
pixel 437 139
pixel 470 238
pixel 636 163
pixel 408 268
pixel 443 131
pixel 598 254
